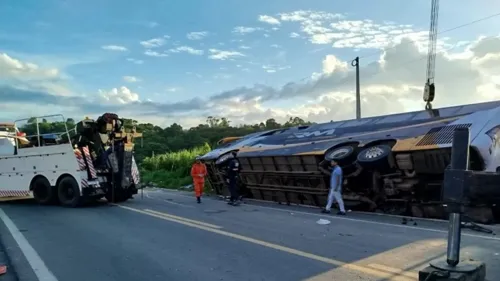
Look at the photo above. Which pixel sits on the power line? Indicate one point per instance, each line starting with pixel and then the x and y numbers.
pixel 441 32
pixel 306 78
pixel 423 56
pixel 399 66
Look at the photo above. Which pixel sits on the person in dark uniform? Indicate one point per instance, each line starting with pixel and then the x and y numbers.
pixel 233 173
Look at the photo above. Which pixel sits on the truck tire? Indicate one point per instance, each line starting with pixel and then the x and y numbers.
pixel 43 191
pixel 68 192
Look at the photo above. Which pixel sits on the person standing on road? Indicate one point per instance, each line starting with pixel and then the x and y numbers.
pixel 335 189
pixel 198 173
pixel 233 173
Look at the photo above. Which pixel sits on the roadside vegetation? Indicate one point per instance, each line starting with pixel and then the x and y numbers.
pixel 172 169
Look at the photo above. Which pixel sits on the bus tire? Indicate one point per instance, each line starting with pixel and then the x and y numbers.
pixel 375 156
pixel 42 191
pixel 68 192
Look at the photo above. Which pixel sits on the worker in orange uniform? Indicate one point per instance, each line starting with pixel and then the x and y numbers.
pixel 198 172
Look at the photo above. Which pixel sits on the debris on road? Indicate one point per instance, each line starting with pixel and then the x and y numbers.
pixel 323 222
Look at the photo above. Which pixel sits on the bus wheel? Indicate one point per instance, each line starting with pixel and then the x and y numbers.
pixel 42 191
pixel 68 192
pixel 375 156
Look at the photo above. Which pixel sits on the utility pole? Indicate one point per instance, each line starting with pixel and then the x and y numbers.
pixel 355 63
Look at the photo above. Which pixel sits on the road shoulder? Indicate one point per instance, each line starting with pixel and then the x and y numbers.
pixel 18 267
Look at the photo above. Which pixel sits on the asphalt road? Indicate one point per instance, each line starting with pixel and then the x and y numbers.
pixel 167 236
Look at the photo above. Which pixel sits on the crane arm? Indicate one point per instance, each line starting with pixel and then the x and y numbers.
pixel 431 56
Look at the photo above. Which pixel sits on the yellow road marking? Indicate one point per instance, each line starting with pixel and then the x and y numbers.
pixel 360 268
pixel 412 255
pixel 182 219
pixel 393 270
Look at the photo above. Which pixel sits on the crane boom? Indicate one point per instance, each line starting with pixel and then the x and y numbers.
pixel 431 55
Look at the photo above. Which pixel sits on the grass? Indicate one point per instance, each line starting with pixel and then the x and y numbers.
pixel 171 170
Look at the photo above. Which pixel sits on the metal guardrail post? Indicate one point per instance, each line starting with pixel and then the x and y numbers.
pixel 455 196
pixel 459 161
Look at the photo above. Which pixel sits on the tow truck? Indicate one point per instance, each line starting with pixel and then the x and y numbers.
pixel 95 161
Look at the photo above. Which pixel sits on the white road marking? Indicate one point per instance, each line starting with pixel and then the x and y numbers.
pixel 380 223
pixel 355 220
pixel 178 204
pixel 36 263
pixel 182 219
pixel 349 266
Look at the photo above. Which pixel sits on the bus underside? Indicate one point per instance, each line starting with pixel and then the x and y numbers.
pixel 406 183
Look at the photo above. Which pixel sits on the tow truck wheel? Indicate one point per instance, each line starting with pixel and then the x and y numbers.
pixel 68 192
pixel 42 191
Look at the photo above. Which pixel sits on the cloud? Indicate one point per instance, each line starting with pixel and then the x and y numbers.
pixel 244 47
pixel 274 68
pixel 131 79
pixel 30 76
pixel 186 49
pixel 331 28
pixel 389 84
pixel 223 55
pixel 194 74
pixel 154 42
pixel 269 20
pixel 244 30
pixel 173 89
pixel 197 35
pixel 309 16
pixel 136 61
pixel 122 95
pixel 152 24
pixel 114 48
pixel 13 68
pixel 222 76
pixel 155 54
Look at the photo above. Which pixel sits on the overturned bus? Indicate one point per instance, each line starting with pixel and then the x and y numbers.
pixel 393 163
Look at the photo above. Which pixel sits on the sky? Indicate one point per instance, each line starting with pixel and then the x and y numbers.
pixel 181 61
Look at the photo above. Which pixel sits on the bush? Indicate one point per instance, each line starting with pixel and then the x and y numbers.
pixel 171 170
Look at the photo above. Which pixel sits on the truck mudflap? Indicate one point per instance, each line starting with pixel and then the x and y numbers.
pixel 128 176
pixel 88 173
pixel 131 172
pixel 136 177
